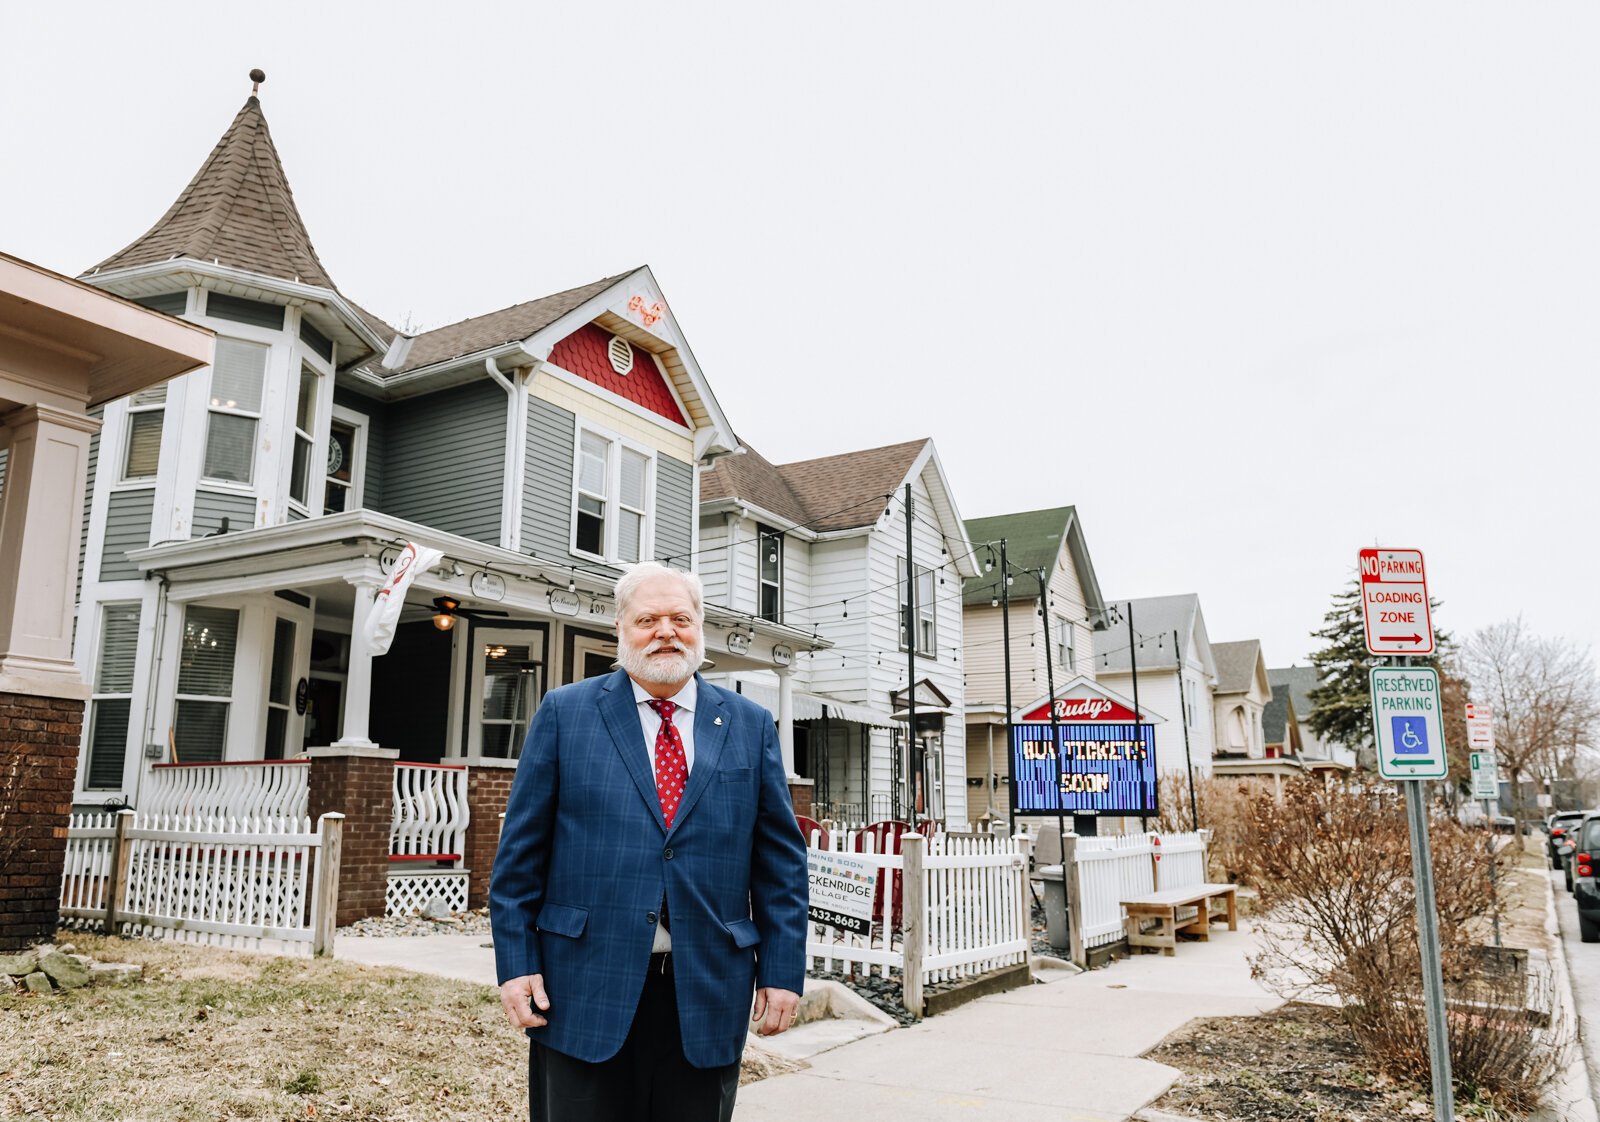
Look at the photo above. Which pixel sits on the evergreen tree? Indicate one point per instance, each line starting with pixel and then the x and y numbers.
pixel 1341 706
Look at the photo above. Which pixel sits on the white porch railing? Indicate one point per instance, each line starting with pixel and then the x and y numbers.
pixel 972 896
pixel 430 812
pixel 249 789
pixel 229 881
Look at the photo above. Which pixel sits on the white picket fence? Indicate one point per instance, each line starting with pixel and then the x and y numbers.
pixel 970 891
pixel 249 789
pixel 204 878
pixel 1112 869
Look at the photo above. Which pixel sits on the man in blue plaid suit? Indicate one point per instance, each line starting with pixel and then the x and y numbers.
pixel 650 876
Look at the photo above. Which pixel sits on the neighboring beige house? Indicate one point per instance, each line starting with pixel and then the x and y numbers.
pixel 1242 696
pixel 1177 675
pixel 1051 540
pixel 819 547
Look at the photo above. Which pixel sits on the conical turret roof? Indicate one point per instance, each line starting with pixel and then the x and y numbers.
pixel 237 210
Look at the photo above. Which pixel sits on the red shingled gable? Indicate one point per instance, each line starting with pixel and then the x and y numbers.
pixel 584 353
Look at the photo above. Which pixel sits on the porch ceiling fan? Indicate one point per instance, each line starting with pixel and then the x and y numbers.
pixel 447 609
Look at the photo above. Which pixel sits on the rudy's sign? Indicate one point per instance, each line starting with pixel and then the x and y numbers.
pixel 1099 757
pixel 1083 709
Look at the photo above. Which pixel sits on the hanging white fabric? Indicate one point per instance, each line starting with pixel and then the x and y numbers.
pixel 385 614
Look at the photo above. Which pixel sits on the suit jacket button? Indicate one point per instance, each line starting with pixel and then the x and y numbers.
pixel 649 917
pixel 668 855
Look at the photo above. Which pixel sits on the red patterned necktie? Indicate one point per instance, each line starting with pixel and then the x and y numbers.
pixel 672 768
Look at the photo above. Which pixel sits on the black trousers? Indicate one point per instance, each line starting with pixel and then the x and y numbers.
pixel 647 1081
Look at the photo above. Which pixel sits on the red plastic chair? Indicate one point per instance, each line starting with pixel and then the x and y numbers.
pixel 810 827
pixel 885 837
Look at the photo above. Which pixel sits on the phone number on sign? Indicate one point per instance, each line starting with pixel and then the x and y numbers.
pixel 840 920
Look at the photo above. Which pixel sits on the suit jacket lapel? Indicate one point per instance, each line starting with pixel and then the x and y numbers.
pixel 710 734
pixel 621 714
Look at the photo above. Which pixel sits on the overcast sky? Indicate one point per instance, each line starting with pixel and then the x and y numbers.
pixel 1252 285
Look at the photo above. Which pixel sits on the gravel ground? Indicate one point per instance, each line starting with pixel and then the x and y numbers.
pixel 461 923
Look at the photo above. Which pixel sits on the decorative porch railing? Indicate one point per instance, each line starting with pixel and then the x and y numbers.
pixel 247 789
pixel 430 812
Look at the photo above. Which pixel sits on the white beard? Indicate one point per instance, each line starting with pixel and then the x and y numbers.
pixel 666 671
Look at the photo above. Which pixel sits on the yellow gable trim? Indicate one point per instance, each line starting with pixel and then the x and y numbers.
pixel 592 407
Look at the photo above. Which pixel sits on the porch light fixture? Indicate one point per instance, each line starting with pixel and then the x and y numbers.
pixel 445 617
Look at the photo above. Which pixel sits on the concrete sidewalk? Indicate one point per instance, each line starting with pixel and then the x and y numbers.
pixel 1064 1052
pixel 468 957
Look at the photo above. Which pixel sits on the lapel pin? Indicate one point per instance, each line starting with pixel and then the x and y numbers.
pixel 718 721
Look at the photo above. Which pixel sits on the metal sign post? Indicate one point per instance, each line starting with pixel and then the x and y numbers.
pixel 1408 728
pixel 1486 786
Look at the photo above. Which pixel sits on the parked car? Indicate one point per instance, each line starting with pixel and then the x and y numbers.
pixel 1586 887
pixel 1556 827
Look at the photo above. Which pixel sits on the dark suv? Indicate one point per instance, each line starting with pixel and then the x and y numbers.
pixel 1555 826
pixel 1585 886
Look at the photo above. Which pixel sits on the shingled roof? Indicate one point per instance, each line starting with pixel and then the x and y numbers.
pixel 237 210
pixel 1033 542
pixel 1236 664
pixel 842 492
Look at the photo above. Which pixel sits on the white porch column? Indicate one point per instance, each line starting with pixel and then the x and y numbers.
pixel 786 720
pixel 358 676
pixel 40 518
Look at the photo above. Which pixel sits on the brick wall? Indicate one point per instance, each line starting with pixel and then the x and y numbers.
pixel 362 788
pixel 39 739
pixel 487 791
pixel 801 794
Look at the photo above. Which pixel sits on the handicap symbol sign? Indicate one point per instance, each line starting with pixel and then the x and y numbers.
pixel 1410 736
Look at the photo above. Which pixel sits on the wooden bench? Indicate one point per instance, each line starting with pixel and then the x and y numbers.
pixel 1163 907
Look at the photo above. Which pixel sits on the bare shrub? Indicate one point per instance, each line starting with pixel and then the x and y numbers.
pixel 1224 806
pixel 1332 864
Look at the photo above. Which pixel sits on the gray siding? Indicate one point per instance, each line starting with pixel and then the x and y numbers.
pixel 445 460
pixel 674 510
pixel 127 527
pixel 98 413
pixel 377 414
pixel 547 481
pixel 211 507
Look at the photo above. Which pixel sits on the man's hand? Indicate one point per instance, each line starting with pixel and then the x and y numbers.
pixel 774 1009
pixel 515 998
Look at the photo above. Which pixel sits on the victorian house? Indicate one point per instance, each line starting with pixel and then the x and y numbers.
pixel 1161 654
pixel 240 518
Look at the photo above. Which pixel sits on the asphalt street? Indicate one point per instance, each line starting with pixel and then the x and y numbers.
pixel 1583 962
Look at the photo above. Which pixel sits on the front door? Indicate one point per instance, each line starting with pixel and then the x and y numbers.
pixel 507 682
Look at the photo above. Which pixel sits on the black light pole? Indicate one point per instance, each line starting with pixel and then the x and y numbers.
pixel 1005 640
pixel 911 661
pixel 1050 700
pixel 1183 701
pixel 1138 715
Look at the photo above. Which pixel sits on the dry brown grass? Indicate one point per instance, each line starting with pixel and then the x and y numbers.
pixel 214 1034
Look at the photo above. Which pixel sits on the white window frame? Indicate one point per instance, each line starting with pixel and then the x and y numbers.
pixel 136 407
pixel 361 423
pixel 483 637
pixel 1066 648
pixel 766 535
pixel 258 416
pixel 610 529
pixel 131 737
pixel 315 471
pixel 242 636
pixel 927 611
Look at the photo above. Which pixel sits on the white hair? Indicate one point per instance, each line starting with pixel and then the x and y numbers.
pixel 635 575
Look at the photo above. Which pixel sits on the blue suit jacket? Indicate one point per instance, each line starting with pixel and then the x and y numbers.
pixel 585 861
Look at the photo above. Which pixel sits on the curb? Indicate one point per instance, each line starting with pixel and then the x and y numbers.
pixel 1562 984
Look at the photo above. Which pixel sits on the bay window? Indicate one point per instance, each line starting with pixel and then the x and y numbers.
pixel 237 377
pixel 205 683
pixel 305 427
pixel 146 410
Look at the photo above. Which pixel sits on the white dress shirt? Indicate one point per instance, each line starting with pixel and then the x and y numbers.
pixel 650 724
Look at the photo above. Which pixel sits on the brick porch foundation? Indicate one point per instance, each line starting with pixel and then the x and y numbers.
pixel 39 739
pixel 359 782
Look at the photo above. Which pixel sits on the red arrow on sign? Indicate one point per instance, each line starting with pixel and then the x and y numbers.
pixel 1401 638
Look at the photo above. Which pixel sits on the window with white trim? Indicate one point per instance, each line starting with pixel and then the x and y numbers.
pixel 111 704
pixel 205 683
pixel 925 623
pixel 237 376
pixel 141 459
pixel 769 573
pixel 280 690
pixel 301 468
pixel 1066 656
pixel 346 447
pixel 611 509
